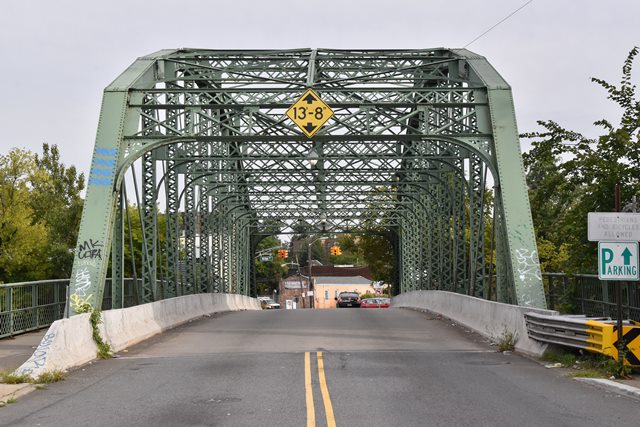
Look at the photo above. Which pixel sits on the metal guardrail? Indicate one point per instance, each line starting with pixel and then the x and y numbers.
pixel 595 334
pixel 29 306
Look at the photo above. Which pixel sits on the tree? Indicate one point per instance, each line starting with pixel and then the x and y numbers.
pixel 133 235
pixel 268 273
pixel 570 175
pixel 23 237
pixel 351 251
pixel 377 252
pixel 56 203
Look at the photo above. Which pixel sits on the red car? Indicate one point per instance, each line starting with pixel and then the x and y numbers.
pixel 375 303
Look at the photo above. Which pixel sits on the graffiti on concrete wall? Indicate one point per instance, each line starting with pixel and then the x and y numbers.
pixel 39 357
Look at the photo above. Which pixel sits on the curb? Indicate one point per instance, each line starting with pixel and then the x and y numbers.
pixel 613 386
pixel 13 391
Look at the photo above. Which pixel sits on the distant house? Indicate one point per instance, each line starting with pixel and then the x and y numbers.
pixel 327 288
pixel 295 288
pixel 328 282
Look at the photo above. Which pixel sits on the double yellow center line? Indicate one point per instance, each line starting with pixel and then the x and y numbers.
pixel 308 385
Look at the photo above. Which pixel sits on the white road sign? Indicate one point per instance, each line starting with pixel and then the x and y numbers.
pixel 613 227
pixel 618 261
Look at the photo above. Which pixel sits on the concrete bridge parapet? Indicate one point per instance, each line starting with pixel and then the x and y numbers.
pixel 488 318
pixel 68 343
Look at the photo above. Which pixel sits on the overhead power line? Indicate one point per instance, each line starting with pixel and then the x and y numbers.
pixel 500 22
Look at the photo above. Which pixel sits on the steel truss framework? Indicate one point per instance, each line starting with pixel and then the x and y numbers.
pixel 415 138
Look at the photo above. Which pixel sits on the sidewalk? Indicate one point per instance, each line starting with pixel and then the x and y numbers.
pixel 13 353
pixel 630 387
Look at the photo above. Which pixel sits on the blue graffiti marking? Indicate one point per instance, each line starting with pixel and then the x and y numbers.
pixel 98 181
pixel 105 162
pixel 107 152
pixel 102 172
pixel 39 357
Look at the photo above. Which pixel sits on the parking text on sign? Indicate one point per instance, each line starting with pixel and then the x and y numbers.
pixel 618 261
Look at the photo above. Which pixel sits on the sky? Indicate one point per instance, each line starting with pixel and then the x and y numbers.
pixel 58 56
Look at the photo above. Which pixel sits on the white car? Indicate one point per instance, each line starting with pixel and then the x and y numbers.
pixel 268 303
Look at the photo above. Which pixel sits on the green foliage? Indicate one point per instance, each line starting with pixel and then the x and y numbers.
pixel 351 251
pixel 132 217
pixel 589 365
pixel 566 359
pixel 50 377
pixel 599 366
pixel 268 273
pixel 40 209
pixel 23 238
pixel 363 296
pixel 617 367
pixel 377 253
pixel 11 378
pixel 84 308
pixel 507 341
pixel 570 175
pixel 104 349
pixel 45 378
pixel 56 202
pixel 552 257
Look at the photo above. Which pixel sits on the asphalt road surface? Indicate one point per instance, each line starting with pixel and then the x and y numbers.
pixel 346 367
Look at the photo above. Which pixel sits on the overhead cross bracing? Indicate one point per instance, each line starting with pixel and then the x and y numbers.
pixel 416 138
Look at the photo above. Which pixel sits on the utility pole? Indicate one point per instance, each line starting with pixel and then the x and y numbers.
pixel 618 286
pixel 313 292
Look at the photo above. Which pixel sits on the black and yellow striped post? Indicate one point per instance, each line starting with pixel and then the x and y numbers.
pixel 605 339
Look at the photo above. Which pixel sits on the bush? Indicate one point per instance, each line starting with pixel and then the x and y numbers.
pixel 507 341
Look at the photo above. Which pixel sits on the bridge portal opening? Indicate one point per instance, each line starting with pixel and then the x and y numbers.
pixel 422 147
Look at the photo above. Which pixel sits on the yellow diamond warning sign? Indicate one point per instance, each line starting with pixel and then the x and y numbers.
pixel 309 113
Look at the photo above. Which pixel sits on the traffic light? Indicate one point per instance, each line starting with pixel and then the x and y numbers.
pixel 335 250
pixel 283 253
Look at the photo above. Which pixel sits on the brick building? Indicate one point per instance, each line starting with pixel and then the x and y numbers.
pixel 328 282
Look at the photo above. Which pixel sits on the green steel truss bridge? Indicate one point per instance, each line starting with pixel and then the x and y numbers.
pixel 416 140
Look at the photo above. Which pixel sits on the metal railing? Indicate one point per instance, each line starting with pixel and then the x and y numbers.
pixel 588 295
pixel 29 306
pixel 130 297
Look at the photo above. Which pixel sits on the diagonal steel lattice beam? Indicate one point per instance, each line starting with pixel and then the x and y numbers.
pixel 419 142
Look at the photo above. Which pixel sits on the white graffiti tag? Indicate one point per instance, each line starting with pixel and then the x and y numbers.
pixel 528 264
pixel 83 281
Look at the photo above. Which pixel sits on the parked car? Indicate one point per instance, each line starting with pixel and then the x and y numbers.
pixel 385 302
pixel 267 303
pixel 375 303
pixel 348 299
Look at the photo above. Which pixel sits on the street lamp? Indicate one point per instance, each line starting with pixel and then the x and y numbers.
pixel 312 296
